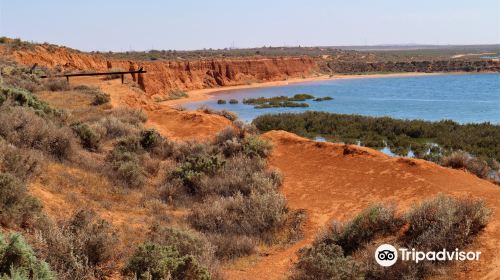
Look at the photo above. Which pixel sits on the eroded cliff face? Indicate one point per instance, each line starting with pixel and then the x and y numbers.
pixel 164 77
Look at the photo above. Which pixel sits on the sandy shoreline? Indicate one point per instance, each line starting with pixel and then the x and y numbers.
pixel 204 94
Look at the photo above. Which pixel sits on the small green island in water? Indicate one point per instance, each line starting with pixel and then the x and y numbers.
pixel 279 101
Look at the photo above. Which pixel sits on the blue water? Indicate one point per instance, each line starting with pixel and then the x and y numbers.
pixel 465 98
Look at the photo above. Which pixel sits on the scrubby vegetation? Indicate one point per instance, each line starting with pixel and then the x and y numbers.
pixel 100 97
pixel 18 261
pixel 279 101
pixel 227 177
pixel 221 101
pixel 177 94
pixel 326 98
pixel 345 251
pixel 480 140
pixel 173 254
pixel 226 114
pixel 233 101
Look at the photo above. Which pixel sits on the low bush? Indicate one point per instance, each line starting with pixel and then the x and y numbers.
pixel 221 101
pixel 194 167
pixel 226 114
pixel 258 215
pixel 57 85
pixel 81 248
pixel 25 129
pixel 94 237
pixel 19 77
pixel 239 174
pixel 326 261
pixel 256 146
pixel 21 163
pixel 17 207
pixel 228 247
pixel 114 128
pixel 126 163
pixel 130 115
pixel 374 221
pixel 150 139
pixel 89 139
pixel 101 98
pixel 18 261
pixel 346 252
pixel 153 261
pixel 233 101
pixel 22 97
pixel 463 160
pixel 445 222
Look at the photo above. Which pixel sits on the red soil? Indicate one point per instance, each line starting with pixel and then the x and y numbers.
pixel 330 181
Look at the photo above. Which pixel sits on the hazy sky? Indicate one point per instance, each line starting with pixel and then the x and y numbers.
pixel 187 24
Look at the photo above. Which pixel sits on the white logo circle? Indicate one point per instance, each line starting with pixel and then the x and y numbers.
pixel 386 255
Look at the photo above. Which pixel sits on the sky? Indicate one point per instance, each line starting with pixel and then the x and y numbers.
pixel 188 24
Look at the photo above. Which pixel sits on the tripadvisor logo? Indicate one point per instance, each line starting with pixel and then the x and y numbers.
pixel 387 255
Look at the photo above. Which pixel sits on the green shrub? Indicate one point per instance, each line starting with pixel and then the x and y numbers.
pixel 101 98
pixel 130 115
pixel 22 163
pixel 126 162
pixel 460 159
pixel 326 261
pixel 221 101
pixel 17 207
pixel 57 85
pixel 164 262
pixel 256 146
pixel 375 220
pixel 445 222
pixel 239 174
pixel 94 237
pixel 300 97
pixel 228 247
pixel 16 76
pixel 89 139
pixel 150 138
pixel 115 128
pixel 22 97
pixel 258 215
pixel 183 241
pixel 233 101
pixel 226 114
pixel 131 173
pixel 25 129
pixel 83 247
pixel 346 252
pixel 194 167
pixel 18 261
pixel 323 98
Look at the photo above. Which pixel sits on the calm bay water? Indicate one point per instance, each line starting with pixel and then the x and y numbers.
pixel 465 98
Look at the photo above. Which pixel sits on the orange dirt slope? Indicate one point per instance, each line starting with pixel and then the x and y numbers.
pixel 329 184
